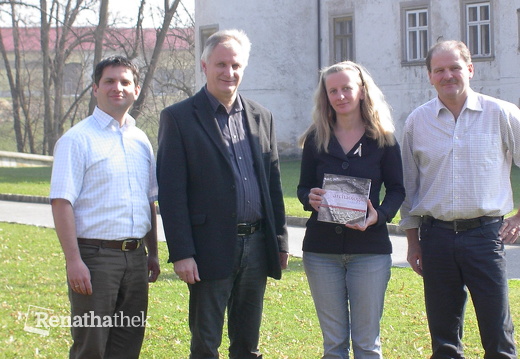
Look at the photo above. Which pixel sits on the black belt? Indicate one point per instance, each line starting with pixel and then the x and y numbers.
pixel 246 229
pixel 460 225
pixel 126 245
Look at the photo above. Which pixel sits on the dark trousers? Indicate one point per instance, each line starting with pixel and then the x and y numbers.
pixel 453 263
pixel 242 294
pixel 114 328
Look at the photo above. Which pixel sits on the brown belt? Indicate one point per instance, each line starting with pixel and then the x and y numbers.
pixel 461 224
pixel 126 245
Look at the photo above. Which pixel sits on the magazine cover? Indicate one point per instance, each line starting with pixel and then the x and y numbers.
pixel 345 201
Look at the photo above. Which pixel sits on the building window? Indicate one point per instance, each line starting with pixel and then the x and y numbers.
pixel 518 16
pixel 205 33
pixel 343 38
pixel 478 29
pixel 72 79
pixel 416 34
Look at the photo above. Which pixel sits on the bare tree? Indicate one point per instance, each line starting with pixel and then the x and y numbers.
pixel 15 83
pixel 169 11
pixel 98 42
pixel 53 98
pixel 65 42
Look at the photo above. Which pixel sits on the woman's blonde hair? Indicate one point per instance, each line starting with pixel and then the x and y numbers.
pixel 375 111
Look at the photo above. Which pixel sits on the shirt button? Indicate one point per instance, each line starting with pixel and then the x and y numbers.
pixel 338 229
pixel 344 165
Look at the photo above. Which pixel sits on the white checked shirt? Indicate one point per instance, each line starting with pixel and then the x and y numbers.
pixel 459 169
pixel 107 173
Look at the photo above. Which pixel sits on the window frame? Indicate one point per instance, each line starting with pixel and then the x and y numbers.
pixel 204 33
pixel 466 5
pixel 406 9
pixel 73 80
pixel 334 37
pixel 518 22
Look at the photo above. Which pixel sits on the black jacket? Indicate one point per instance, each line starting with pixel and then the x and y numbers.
pixel 197 195
pixel 382 165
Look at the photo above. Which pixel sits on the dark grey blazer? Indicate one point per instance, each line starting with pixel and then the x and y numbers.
pixel 197 197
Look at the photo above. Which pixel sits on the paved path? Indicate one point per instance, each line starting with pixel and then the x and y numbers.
pixel 40 215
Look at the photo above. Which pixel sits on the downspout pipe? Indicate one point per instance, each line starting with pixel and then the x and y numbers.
pixel 319 33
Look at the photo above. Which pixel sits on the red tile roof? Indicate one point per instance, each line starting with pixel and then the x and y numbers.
pixel 81 38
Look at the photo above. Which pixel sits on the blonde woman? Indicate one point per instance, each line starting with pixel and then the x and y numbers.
pixel 348 266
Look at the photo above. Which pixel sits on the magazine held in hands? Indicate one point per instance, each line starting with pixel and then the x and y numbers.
pixel 345 201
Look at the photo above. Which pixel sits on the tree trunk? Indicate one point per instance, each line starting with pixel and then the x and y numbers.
pixel 46 64
pixel 161 36
pixel 98 45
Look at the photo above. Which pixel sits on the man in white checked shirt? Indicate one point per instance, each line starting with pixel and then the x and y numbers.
pixel 103 190
pixel 457 152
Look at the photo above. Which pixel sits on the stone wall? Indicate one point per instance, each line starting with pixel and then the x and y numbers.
pixel 16 159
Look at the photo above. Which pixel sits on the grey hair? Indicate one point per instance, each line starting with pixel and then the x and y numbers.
pixel 224 36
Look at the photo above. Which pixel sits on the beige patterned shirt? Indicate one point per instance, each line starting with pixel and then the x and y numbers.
pixel 459 169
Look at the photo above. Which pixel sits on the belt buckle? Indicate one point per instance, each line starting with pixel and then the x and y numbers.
pixel 126 242
pixel 456 227
pixel 247 229
pixel 461 226
pixel 241 229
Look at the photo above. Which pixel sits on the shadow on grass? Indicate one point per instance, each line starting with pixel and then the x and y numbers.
pixel 25 174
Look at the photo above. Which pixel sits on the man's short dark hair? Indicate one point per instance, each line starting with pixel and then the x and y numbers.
pixel 115 61
pixel 448 45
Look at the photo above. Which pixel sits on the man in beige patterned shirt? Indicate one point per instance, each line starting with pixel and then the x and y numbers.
pixel 457 154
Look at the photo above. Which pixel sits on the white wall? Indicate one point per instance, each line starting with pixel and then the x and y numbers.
pixel 284 62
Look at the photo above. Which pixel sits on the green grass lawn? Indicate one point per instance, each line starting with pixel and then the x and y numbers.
pixel 33 274
pixel 35 181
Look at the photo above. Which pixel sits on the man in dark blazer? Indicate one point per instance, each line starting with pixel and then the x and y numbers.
pixel 221 201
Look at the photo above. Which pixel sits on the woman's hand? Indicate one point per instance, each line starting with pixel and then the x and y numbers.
pixel 371 218
pixel 315 197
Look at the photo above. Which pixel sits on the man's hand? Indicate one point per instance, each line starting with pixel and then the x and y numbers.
pixel 187 270
pixel 284 260
pixel 153 268
pixel 78 273
pixel 510 229
pixel 414 256
pixel 78 276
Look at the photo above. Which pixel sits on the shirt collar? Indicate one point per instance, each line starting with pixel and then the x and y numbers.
pixel 237 106
pixel 104 119
pixel 472 103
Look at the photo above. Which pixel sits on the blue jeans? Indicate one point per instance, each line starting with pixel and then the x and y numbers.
pixel 349 292
pixel 242 294
pixel 454 262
